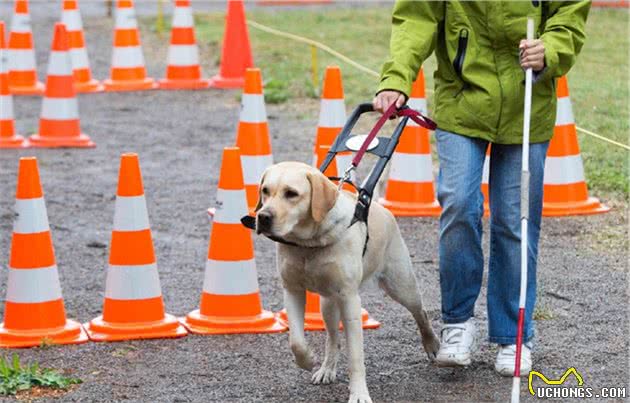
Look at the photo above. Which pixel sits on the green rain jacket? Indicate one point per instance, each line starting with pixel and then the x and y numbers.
pixel 479 83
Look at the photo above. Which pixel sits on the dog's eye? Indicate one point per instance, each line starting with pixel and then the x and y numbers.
pixel 265 191
pixel 290 194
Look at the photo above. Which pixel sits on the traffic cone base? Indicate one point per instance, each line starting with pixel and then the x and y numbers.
pixel 100 330
pixel 130 85
pixel 15 141
pixel 37 89
pixel 314 321
pixel 70 333
pixel 81 141
pixel 402 209
pixel 219 81
pixel 590 206
pixel 90 86
pixel 265 322
pixel 168 84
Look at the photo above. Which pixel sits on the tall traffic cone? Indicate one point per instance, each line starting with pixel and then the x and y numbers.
pixel 22 67
pixel 230 301
pixel 133 306
pixel 313 319
pixel 128 72
pixel 183 70
pixel 485 182
pixel 34 312
pixel 237 54
pixel 71 17
pixel 59 124
pixel 565 192
pixel 8 138
pixel 253 135
pixel 410 191
pixel 332 115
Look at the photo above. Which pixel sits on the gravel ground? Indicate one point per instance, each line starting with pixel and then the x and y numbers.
pixel 179 135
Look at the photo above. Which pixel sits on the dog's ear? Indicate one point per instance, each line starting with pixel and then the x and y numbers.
pixel 323 195
pixel 260 185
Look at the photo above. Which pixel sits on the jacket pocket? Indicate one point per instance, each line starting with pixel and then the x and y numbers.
pixel 462 45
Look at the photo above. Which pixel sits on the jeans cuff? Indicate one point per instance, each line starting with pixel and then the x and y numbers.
pixel 505 340
pixel 456 319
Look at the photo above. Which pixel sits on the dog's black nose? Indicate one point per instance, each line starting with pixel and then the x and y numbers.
pixel 265 219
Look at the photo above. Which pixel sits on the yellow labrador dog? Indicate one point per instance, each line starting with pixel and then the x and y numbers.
pixel 321 252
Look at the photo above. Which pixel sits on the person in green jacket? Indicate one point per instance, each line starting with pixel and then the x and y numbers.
pixel 478 101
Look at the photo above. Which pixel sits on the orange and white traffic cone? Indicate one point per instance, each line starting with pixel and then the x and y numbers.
pixel 22 67
pixel 71 17
pixel 485 183
pixel 313 319
pixel 128 72
pixel 410 191
pixel 253 135
pixel 34 312
pixel 332 115
pixel 59 124
pixel 183 70
pixel 8 138
pixel 230 301
pixel 133 306
pixel 565 192
pixel 237 53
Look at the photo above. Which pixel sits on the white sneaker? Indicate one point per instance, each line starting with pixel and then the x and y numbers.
pixel 457 343
pixel 506 358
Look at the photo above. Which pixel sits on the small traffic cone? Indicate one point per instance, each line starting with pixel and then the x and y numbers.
pixel 133 306
pixel 230 302
pixel 332 170
pixel 59 124
pixel 34 312
pixel 128 72
pixel 565 192
pixel 313 319
pixel 253 135
pixel 332 115
pixel 22 67
pixel 71 17
pixel 485 183
pixel 237 54
pixel 8 138
pixel 410 191
pixel 183 71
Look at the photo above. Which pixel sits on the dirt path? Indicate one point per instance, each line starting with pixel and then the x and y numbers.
pixel 583 263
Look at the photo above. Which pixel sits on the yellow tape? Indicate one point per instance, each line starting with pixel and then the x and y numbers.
pixel 373 73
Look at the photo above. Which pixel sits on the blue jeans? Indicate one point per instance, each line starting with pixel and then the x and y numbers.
pixel 461 256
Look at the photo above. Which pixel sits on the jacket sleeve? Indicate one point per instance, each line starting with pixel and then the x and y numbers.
pixel 414 34
pixel 564 35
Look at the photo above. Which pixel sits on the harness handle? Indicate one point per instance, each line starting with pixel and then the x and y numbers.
pixel 392 111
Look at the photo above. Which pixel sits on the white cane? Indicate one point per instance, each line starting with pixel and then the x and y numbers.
pixel 516 382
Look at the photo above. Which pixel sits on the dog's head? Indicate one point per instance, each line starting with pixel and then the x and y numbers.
pixel 293 197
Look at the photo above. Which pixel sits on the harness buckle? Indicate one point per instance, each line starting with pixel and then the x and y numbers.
pixel 346 176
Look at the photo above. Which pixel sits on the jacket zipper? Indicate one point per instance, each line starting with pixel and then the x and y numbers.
pixel 458 62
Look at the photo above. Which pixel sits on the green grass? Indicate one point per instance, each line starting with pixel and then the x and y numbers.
pixel 15 377
pixel 598 83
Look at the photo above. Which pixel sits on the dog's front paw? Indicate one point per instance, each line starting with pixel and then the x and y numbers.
pixel 324 375
pixel 360 397
pixel 303 357
pixel 431 345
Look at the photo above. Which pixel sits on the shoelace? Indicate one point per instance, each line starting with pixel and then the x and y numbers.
pixel 452 334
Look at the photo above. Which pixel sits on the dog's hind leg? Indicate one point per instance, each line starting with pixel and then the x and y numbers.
pixel 399 282
pixel 327 373
pixel 294 302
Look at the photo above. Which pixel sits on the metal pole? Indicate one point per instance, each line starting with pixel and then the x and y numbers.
pixel 516 381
